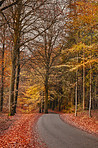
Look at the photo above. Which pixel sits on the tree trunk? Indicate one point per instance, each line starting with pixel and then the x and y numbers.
pixel 76 95
pixel 17 80
pixel 16 41
pixel 46 94
pixel 59 105
pixel 83 80
pixel 76 91
pixel 71 97
pixel 2 79
pixel 53 104
pixel 40 107
pixel 12 82
pixel 95 91
pixel 90 99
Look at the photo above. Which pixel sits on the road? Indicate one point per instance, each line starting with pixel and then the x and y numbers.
pixel 57 134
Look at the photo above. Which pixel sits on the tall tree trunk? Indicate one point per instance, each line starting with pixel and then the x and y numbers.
pixel 95 91
pixel 2 78
pixel 42 105
pixel 17 80
pixel 76 90
pixel 76 94
pixel 90 99
pixel 12 82
pixel 60 101
pixel 71 97
pixel 90 93
pixel 17 31
pixel 46 94
pixel 83 80
pixel 53 104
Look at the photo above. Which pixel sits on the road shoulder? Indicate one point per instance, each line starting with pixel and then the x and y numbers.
pixel 82 121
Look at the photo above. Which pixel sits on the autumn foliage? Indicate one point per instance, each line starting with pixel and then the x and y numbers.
pixel 48 60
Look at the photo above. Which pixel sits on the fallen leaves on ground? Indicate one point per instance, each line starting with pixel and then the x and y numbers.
pixel 83 121
pixel 20 131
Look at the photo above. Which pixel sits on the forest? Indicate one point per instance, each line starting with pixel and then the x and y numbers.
pixel 48 73
pixel 48 55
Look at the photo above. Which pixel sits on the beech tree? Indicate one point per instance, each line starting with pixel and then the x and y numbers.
pixel 4 51
pixel 41 31
pixel 2 67
pixel 48 47
pixel 23 22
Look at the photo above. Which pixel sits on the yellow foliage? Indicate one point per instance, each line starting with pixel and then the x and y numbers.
pixel 86 15
pixel 81 46
pixel 86 63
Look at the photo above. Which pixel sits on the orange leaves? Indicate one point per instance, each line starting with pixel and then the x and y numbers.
pixel 22 132
pixel 82 121
pixel 87 12
pixel 84 14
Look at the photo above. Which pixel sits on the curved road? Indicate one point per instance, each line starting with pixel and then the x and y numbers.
pixel 57 134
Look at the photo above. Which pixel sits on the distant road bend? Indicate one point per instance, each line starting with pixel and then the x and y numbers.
pixel 57 134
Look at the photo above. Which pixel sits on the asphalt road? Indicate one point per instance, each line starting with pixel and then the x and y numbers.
pixel 57 134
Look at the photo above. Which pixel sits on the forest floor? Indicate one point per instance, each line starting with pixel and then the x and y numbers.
pixel 82 121
pixel 19 131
